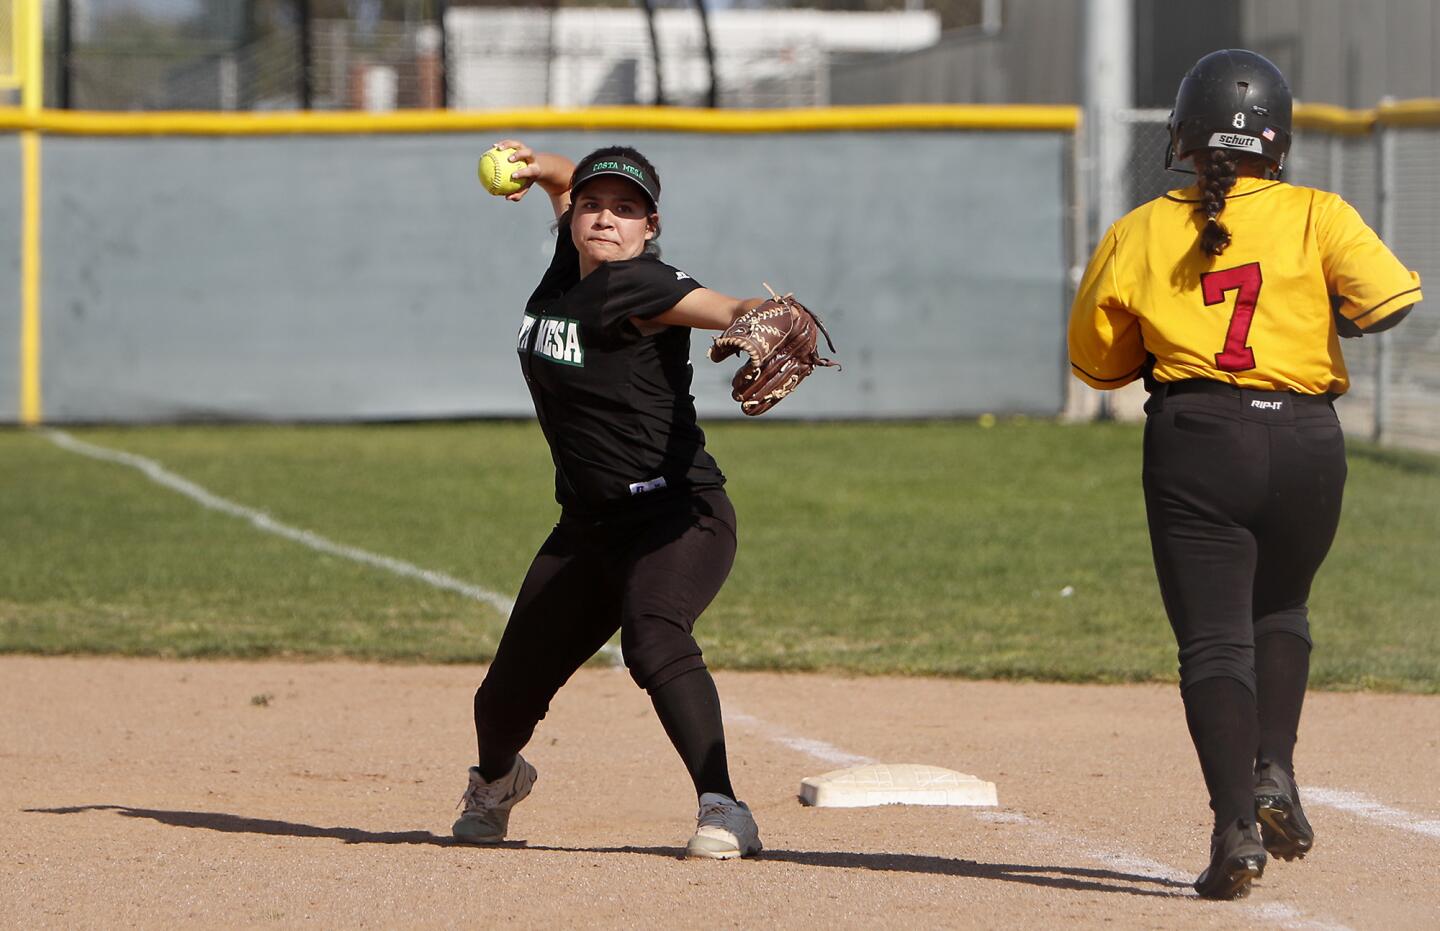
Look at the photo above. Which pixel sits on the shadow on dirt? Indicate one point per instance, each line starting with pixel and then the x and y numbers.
pixel 238 824
pixel 1071 878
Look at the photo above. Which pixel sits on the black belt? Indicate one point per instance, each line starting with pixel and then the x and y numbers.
pixel 1220 388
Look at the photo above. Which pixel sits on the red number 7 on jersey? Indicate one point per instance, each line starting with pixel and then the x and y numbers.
pixel 1236 356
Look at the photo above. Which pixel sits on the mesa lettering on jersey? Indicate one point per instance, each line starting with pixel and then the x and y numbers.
pixel 556 339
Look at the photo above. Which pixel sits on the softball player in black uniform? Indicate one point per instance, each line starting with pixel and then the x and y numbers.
pixel 646 534
pixel 1228 298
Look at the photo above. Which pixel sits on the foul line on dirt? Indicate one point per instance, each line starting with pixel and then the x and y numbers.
pixel 1275 914
pixel 262 521
pixel 1278 913
pixel 1288 916
pixel 1119 861
pixel 819 749
pixel 1368 808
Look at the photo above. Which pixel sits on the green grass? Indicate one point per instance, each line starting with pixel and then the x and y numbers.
pixel 924 548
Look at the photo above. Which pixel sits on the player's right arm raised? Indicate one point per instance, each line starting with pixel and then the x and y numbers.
pixel 547 170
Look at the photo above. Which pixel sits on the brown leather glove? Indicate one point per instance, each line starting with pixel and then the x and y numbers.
pixel 781 337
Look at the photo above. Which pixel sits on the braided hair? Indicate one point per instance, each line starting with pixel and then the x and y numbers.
pixel 1215 171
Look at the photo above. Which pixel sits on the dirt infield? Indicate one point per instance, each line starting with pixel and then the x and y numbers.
pixel 152 793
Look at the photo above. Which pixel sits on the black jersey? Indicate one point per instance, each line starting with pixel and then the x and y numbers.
pixel 614 404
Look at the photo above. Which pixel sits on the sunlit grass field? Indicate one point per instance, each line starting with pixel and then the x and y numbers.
pixel 943 548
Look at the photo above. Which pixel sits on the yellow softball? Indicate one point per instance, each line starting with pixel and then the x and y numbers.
pixel 496 172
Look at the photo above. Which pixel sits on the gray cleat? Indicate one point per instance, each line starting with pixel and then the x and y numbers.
pixel 725 829
pixel 487 804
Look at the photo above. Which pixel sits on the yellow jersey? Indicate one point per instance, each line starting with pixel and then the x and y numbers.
pixel 1256 316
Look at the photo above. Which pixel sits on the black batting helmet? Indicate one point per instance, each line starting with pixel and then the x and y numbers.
pixel 1232 99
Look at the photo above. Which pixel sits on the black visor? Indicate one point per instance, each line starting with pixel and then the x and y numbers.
pixel 620 167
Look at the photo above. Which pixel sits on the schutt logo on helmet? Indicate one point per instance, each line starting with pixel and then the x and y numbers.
pixel 1233 141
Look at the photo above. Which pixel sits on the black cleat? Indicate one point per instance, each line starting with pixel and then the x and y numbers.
pixel 1236 857
pixel 1277 809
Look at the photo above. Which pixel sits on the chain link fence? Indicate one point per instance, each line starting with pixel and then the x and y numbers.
pixel 535 63
pixel 390 66
pixel 9 49
pixel 1391 175
pixel 175 55
pixel 1409 356
pixel 578 57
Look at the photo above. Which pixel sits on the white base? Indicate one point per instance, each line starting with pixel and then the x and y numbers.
pixel 895 784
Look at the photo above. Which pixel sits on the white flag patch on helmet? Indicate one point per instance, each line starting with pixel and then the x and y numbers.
pixel 1235 141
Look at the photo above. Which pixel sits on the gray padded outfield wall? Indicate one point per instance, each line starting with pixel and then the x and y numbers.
pixel 370 277
pixel 10 201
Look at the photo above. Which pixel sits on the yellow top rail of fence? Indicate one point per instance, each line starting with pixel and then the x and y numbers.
pixel 1324 117
pixel 1420 112
pixel 1328 118
pixel 673 119
pixel 981 117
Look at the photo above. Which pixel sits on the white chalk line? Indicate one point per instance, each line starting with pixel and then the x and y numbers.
pixel 261 521
pixel 1350 802
pixel 1288 916
pixel 1364 806
pixel 1125 862
pixel 1275 913
pixel 264 522
pixel 818 749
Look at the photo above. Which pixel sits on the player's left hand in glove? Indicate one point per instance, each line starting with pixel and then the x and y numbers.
pixel 781 337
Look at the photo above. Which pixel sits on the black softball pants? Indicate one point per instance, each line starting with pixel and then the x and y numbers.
pixel 648 574
pixel 1242 493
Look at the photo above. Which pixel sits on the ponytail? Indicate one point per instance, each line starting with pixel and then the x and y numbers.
pixel 1215 170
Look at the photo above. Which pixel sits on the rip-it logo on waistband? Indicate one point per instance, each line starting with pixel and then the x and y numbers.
pixel 1267 405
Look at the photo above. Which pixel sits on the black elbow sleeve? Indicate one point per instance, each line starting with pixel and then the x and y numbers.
pixel 1390 321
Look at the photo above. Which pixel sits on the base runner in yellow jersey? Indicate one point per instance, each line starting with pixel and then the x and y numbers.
pixel 1229 298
